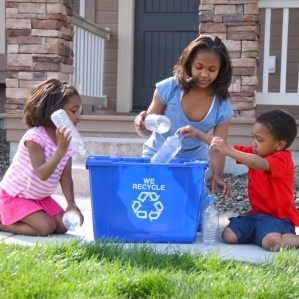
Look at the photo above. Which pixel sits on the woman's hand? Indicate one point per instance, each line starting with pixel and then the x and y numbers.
pixel 217 181
pixel 140 126
pixel 187 132
pixel 139 120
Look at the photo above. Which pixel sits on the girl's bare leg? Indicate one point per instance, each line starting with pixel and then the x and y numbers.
pixel 60 228
pixel 35 224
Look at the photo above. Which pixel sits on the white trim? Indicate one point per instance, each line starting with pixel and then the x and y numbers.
pixel 273 98
pixel 266 49
pixel 2 27
pixel 278 3
pixel 82 8
pixel 284 50
pixel 125 55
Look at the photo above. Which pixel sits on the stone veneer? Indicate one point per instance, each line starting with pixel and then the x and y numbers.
pixel 40 35
pixel 236 22
pixel 39 46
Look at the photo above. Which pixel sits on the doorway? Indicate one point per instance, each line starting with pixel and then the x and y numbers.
pixel 162 30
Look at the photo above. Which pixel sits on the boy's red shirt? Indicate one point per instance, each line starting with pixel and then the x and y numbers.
pixel 272 192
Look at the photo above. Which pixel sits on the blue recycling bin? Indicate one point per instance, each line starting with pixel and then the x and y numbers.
pixel 134 200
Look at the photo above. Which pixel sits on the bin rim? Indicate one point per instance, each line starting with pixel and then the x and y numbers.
pixel 105 160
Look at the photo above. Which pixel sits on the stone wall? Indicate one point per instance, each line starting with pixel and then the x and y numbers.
pixel 39 46
pixel 4 153
pixel 236 22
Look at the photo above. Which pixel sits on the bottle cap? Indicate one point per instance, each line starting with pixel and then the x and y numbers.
pixel 211 198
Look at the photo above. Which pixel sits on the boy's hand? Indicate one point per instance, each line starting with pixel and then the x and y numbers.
pixel 221 145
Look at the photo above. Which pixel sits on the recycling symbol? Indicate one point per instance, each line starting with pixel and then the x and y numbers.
pixel 154 213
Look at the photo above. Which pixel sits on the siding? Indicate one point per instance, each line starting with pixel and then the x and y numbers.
pixel 76 6
pixel 106 15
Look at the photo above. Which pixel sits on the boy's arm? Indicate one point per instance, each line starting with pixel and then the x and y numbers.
pixel 251 160
pixel 217 160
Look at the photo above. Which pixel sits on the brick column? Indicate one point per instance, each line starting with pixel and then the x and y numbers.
pixel 39 46
pixel 236 22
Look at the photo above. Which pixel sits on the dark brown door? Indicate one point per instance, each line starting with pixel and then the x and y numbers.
pixel 163 28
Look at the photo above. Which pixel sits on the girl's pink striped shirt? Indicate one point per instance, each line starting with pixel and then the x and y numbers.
pixel 20 179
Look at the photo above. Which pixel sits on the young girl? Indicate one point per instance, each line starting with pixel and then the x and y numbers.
pixel 43 159
pixel 197 96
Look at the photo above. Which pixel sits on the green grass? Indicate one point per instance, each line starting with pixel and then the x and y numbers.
pixel 105 270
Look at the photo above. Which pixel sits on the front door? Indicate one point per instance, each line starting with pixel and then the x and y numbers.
pixel 163 28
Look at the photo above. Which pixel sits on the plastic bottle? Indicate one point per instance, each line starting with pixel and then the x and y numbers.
pixel 168 149
pixel 203 205
pixel 71 220
pixel 157 123
pixel 210 223
pixel 61 119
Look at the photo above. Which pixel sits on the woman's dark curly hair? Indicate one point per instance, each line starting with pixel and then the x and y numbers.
pixel 205 43
pixel 46 98
pixel 281 125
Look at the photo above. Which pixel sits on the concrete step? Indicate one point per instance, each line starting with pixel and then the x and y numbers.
pixel 111 146
pixel 123 147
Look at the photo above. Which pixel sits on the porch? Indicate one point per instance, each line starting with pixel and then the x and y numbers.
pixel 277 70
pixel 111 132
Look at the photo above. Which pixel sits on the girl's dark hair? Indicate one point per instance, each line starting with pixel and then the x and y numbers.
pixel 281 125
pixel 205 43
pixel 46 98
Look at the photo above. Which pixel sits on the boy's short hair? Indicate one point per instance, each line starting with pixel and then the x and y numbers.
pixel 281 125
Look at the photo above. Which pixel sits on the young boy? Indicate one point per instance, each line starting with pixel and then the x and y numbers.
pixel 271 221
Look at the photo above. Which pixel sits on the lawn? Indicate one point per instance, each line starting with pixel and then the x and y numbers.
pixel 104 270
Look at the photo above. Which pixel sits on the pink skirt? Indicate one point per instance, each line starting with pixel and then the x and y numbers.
pixel 13 209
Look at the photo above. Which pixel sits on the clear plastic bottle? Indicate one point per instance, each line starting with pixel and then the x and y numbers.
pixel 61 119
pixel 157 123
pixel 71 220
pixel 210 223
pixel 203 205
pixel 168 149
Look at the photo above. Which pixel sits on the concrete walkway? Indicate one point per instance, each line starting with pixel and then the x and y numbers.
pixel 247 253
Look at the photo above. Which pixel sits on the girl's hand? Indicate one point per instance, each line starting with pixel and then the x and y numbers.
pixel 139 120
pixel 64 137
pixel 187 132
pixel 217 181
pixel 75 209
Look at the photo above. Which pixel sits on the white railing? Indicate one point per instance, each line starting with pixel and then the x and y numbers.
pixel 276 98
pixel 89 41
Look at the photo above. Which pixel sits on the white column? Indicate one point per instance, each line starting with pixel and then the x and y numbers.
pixel 82 9
pixel 2 28
pixel 125 55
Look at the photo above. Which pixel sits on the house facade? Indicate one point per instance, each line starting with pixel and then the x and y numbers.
pixel 261 37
